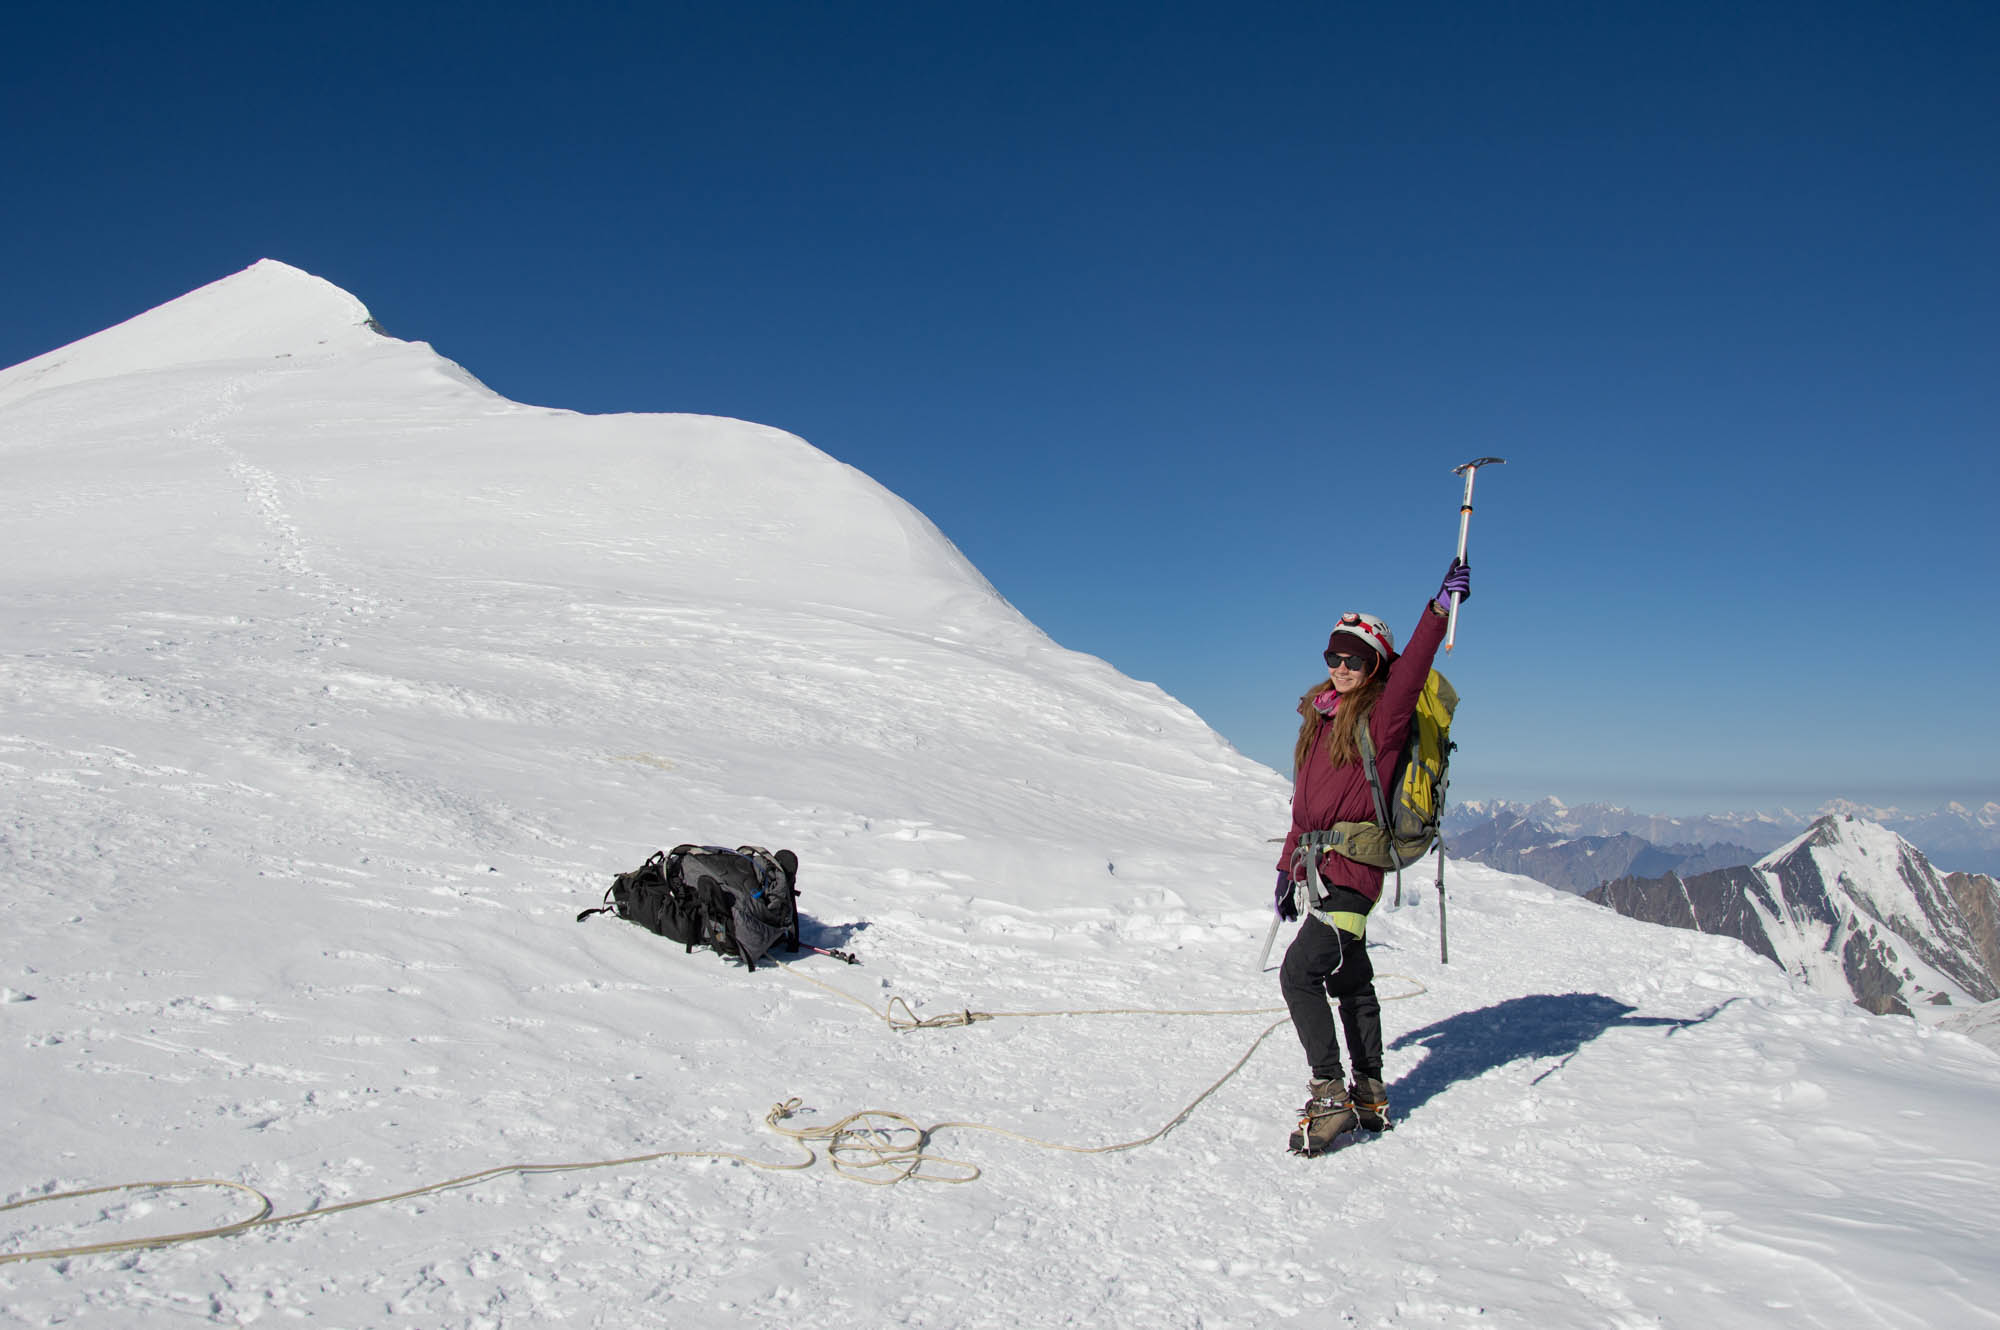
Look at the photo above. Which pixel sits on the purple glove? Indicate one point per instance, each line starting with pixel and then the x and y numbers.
pixel 1457 578
pixel 1282 900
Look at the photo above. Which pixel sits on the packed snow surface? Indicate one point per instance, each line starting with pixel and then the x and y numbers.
pixel 334 686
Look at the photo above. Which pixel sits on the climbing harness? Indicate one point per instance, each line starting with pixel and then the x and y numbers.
pixel 1311 888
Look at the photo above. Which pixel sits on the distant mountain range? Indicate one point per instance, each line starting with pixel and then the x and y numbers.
pixel 1964 838
pixel 1849 906
pixel 1582 863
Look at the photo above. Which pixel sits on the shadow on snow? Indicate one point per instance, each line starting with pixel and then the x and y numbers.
pixel 816 934
pixel 1541 1025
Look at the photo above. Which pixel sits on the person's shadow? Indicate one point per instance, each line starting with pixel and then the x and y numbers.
pixel 1541 1025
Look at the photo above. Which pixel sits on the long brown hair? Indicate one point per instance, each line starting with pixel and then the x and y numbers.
pixel 1343 747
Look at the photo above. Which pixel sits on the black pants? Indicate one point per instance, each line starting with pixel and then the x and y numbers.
pixel 1327 963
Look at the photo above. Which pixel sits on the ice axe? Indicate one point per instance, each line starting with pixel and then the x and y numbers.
pixel 1469 470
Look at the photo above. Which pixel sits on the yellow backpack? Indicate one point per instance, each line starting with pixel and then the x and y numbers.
pixel 1406 825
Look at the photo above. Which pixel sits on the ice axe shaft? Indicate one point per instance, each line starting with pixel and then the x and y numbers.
pixel 1469 471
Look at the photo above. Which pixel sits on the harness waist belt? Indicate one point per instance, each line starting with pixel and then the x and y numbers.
pixel 1311 888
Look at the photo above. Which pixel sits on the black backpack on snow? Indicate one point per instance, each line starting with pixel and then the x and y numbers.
pixel 742 902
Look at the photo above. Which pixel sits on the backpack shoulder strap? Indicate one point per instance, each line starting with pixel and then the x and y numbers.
pixel 1374 777
pixel 761 859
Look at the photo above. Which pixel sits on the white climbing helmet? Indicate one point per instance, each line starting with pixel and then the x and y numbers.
pixel 1366 628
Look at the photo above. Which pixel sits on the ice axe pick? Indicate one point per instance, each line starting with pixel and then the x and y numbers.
pixel 1469 470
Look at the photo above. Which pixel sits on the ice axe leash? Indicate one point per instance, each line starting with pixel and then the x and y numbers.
pixel 1469 470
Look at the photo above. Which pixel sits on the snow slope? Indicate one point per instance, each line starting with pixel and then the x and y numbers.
pixel 332 686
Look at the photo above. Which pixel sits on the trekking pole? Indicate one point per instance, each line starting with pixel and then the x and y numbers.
pixel 1264 956
pixel 1270 934
pixel 1444 954
pixel 1469 470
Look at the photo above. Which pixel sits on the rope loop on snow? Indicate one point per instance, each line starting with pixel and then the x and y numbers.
pixel 874 1146
pixel 132 1244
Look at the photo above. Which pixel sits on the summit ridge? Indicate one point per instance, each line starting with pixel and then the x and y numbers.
pixel 269 310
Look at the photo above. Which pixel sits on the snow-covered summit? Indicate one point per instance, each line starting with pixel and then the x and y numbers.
pixel 362 542
pixel 382 448
pixel 269 310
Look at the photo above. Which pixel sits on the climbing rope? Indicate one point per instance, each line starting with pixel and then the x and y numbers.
pixel 875 1146
pixel 882 1148
pixel 264 1219
pixel 909 1020
pixel 222 1230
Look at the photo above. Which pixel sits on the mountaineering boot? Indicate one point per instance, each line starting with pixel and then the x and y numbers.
pixel 1371 1103
pixel 1326 1115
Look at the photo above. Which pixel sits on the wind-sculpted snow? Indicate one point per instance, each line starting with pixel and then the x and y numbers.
pixel 332 686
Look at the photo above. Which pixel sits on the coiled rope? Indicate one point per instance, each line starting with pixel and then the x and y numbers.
pixel 875 1146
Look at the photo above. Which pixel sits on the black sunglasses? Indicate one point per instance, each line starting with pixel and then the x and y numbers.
pixel 1335 661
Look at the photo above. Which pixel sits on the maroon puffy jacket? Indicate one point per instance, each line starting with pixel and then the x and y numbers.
pixel 1323 794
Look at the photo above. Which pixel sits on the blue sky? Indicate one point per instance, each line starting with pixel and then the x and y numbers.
pixel 1176 317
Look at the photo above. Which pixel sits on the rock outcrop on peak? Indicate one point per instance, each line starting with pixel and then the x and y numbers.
pixel 1978 900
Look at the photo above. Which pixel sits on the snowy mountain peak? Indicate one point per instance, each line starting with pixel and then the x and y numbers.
pixel 1847 904
pixel 268 311
pixel 283 380
pixel 1842 829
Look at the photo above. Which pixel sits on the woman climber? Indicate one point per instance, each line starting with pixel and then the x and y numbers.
pixel 1369 684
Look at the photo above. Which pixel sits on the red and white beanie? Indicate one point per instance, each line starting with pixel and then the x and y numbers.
pixel 1366 628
